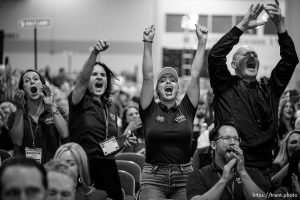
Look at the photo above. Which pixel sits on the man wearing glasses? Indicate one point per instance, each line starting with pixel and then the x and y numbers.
pixel 226 177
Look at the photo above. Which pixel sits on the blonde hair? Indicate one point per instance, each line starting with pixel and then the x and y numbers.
pixel 81 160
pixel 282 157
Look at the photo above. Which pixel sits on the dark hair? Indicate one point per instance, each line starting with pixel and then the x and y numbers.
pixel 124 122
pixel 26 163
pixel 214 133
pixel 111 78
pixel 293 169
pixel 21 82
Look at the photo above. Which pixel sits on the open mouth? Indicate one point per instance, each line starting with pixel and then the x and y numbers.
pixel 168 90
pixel 98 84
pixel 251 65
pixel 33 89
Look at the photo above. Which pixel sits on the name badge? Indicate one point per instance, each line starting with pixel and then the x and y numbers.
pixel 109 146
pixel 34 153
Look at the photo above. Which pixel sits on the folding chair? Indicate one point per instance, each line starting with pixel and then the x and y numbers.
pixel 4 155
pixel 132 168
pixel 128 184
pixel 135 157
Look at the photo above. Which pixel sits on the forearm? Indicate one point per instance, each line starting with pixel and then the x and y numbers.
pixel 87 69
pixel 214 193
pixel 249 187
pixel 277 178
pixel 147 61
pixel 60 123
pixel 17 130
pixel 280 27
pixel 198 61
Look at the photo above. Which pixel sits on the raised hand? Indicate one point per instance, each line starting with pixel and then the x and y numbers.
pixel 274 12
pixel 201 32
pixel 48 97
pixel 250 19
pixel 228 171
pixel 295 184
pixel 19 99
pixel 101 45
pixel 148 34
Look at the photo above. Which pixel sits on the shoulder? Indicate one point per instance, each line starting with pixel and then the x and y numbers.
pixel 98 195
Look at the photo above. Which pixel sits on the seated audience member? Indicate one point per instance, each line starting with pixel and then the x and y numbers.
pixel 61 180
pixel 226 177
pixel 241 98
pixel 5 139
pixel 297 123
pixel 285 117
pixel 22 178
pixel 288 146
pixel 7 108
pixel 290 188
pixel 132 124
pixel 37 127
pixel 75 156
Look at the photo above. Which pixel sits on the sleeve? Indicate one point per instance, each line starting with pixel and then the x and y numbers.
pixel 146 111
pixel 195 184
pixel 257 177
pixel 284 69
pixel 219 74
pixel 188 107
pixel 73 107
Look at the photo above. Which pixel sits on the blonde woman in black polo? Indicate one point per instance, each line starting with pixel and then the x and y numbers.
pixel 168 125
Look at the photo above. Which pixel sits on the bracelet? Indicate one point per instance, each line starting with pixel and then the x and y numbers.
pixel 148 41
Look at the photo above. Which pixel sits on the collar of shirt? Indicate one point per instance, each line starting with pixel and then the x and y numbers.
pixel 165 108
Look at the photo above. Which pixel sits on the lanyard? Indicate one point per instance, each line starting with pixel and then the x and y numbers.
pixel 37 126
pixel 231 191
pixel 105 115
pixel 31 131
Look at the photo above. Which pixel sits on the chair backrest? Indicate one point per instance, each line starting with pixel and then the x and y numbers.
pixel 132 168
pixel 135 157
pixel 4 155
pixel 127 182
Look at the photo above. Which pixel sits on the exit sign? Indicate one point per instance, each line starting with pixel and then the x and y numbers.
pixel 35 22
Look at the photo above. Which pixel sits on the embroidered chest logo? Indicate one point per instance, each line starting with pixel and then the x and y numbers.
pixel 180 118
pixel 160 119
pixel 49 120
pixel 238 180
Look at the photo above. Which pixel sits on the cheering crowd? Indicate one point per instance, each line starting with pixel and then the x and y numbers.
pixel 63 144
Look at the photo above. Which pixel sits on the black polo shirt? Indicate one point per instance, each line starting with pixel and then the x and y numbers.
pixel 202 180
pixel 87 124
pixel 168 132
pixel 45 134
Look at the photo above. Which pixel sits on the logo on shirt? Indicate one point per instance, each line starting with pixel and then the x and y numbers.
pixel 180 118
pixel 238 180
pixel 49 120
pixel 160 119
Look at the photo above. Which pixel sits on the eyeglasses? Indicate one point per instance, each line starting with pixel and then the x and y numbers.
pixel 229 138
